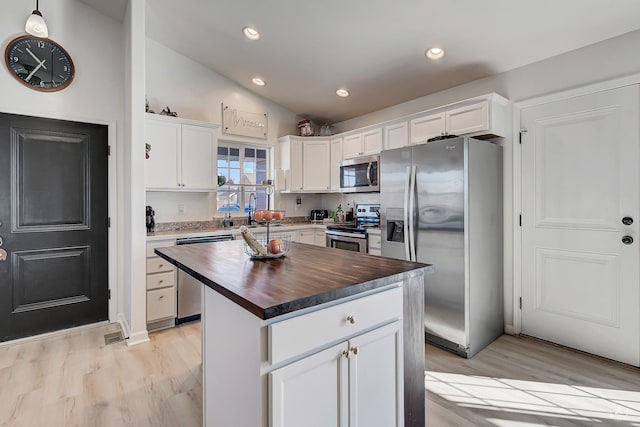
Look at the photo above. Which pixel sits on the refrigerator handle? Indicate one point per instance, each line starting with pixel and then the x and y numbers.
pixel 407 186
pixel 410 215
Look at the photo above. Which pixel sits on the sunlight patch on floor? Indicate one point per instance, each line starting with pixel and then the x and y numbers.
pixel 581 404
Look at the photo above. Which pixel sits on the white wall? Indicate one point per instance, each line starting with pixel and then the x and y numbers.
pixel 599 62
pixel 96 95
pixel 197 93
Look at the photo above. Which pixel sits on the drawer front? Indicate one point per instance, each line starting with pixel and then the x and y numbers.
pixel 151 246
pixel 161 280
pixel 158 265
pixel 310 331
pixel 161 303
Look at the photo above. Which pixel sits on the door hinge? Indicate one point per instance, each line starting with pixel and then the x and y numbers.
pixel 109 293
pixel 108 150
pixel 520 220
pixel 109 222
pixel 521 132
pixel 520 303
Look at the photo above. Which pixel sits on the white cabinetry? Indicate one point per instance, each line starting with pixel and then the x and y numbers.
pixel 316 391
pixel 306 164
pixel 396 135
pixel 374 242
pixel 360 144
pixel 312 237
pixel 161 286
pixel 485 116
pixel 181 155
pixel 358 382
pixel 336 158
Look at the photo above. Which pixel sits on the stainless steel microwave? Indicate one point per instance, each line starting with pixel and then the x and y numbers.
pixel 360 175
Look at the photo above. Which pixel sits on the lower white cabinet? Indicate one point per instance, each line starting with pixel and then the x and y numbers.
pixel 355 383
pixel 161 284
pixel 312 237
pixel 375 244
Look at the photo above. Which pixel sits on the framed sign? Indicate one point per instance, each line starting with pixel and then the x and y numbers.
pixel 244 123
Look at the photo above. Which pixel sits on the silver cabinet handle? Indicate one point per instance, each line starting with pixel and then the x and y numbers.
pixel 161 296
pixel 351 319
pixel 355 350
pixel 1 241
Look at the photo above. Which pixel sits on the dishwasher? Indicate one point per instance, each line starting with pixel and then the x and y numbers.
pixel 189 288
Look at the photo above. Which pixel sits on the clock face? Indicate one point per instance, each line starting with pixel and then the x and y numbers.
pixel 40 64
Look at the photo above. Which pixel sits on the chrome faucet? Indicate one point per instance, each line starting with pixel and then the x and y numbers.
pixel 252 195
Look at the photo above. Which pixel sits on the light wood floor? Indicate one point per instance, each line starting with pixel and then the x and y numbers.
pixel 75 380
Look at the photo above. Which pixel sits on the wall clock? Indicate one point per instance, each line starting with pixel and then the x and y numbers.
pixel 40 64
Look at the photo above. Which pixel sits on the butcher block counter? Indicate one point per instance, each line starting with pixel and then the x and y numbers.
pixel 319 337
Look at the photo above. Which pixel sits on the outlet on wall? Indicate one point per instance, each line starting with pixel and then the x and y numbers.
pixel 181 208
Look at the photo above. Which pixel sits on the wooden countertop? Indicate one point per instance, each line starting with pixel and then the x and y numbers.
pixel 307 276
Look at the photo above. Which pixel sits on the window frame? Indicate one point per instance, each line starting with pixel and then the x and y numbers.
pixel 244 190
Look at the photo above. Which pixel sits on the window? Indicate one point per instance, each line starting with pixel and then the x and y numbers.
pixel 242 167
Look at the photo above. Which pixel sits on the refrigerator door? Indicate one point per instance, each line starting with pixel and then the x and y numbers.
pixel 440 236
pixel 394 187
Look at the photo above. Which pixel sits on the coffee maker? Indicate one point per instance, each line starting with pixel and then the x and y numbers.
pixel 151 222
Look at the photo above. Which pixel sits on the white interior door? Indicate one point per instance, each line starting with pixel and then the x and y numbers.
pixel 580 282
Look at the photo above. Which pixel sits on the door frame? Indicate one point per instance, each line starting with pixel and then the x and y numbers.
pixel 111 197
pixel 517 175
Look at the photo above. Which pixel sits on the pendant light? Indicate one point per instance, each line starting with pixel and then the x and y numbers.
pixel 36 25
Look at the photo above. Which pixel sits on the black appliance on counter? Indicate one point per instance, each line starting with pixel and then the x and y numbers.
pixel 353 236
pixel 151 222
pixel 318 214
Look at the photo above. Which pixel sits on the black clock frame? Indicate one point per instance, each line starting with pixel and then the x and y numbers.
pixel 29 85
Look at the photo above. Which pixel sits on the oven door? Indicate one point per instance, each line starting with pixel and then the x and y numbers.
pixel 349 243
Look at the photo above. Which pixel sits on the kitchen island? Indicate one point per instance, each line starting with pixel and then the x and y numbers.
pixel 319 337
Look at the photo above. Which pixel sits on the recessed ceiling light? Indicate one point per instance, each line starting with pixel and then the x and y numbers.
pixel 251 33
pixel 342 92
pixel 257 81
pixel 435 53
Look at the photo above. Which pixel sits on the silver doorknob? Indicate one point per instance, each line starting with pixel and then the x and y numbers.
pixel 627 240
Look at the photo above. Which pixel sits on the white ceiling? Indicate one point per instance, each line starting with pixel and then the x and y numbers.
pixel 374 48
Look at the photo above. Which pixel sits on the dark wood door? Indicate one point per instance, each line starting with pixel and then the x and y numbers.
pixel 53 215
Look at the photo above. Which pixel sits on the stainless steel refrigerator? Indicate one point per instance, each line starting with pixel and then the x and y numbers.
pixel 441 203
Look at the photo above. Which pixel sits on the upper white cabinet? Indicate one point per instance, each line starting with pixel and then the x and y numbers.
pixel 361 144
pixel 396 135
pixel 305 163
pixel 181 154
pixel 336 158
pixel 484 116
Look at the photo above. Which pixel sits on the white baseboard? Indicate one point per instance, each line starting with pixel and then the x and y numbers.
pixel 138 338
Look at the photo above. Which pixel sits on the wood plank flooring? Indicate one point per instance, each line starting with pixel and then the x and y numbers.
pixel 76 380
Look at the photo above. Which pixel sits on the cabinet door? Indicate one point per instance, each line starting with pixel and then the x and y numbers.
pixel 396 136
pixel 198 147
pixel 321 238
pixel 376 378
pixel 468 119
pixel 308 237
pixel 427 127
pixel 311 392
pixel 161 304
pixel 336 158
pixel 352 146
pixel 162 167
pixel 296 166
pixel 372 141
pixel 316 161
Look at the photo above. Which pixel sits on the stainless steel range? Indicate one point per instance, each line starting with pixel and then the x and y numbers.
pixel 353 237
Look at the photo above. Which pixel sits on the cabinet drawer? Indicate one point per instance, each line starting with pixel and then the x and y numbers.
pixel 161 280
pixel 319 328
pixel 151 246
pixel 158 265
pixel 161 303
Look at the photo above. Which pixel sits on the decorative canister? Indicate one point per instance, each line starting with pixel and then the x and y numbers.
pixel 305 128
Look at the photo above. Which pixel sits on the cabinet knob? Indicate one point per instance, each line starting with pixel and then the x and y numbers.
pixel 160 265
pixel 355 350
pixel 347 353
pixel 160 281
pixel 161 296
pixel 351 319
